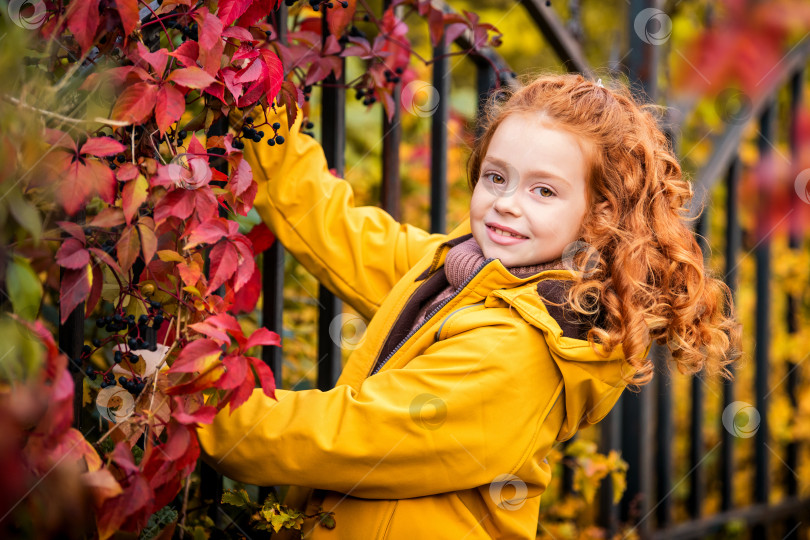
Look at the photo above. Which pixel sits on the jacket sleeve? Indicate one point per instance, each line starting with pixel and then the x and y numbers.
pixel 358 253
pixel 455 417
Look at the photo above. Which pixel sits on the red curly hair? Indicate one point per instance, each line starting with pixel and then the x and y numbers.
pixel 648 280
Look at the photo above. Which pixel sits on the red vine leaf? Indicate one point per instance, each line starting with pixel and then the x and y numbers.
pixel 128 247
pixel 72 254
pixel 340 17
pixel 191 77
pixel 95 291
pixel 136 103
pixel 230 10
pixel 75 286
pixel 82 20
pixel 223 264
pixel 133 195
pixel 128 11
pixel 196 356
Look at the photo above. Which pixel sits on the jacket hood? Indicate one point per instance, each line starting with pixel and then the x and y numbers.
pixel 593 378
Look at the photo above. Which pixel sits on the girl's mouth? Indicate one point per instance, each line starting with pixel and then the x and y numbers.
pixel 500 236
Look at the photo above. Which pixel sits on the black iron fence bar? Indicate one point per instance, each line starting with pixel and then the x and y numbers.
pixel 725 147
pixel 565 46
pixel 438 138
pixel 696 413
pixel 752 516
pixel 392 135
pixel 794 243
pixel 733 247
pixel 763 318
pixel 664 435
pixel 333 139
pixel 610 433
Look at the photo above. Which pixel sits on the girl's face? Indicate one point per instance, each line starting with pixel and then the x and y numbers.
pixel 529 202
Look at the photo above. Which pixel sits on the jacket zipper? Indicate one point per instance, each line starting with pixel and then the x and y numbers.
pixel 429 316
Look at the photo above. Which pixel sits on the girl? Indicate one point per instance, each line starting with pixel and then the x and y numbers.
pixel 487 345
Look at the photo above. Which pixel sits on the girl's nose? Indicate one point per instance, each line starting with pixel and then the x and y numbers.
pixel 507 203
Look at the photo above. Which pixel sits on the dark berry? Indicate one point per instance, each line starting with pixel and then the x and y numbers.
pixel 155 305
pixel 271 142
pixel 399 71
pixel 395 80
pixel 133 343
pixel 310 125
pixel 143 319
pixel 86 349
pixel 101 322
pixel 279 139
pixel 96 342
pixel 121 158
pixel 249 120
pixel 90 372
pixel 118 356
pixel 182 134
pixel 276 125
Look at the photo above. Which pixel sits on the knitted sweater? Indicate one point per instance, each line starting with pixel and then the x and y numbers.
pixel 464 258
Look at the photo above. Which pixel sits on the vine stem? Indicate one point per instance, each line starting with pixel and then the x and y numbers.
pixel 97 120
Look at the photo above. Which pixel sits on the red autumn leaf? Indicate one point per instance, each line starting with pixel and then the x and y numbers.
pixel 189 273
pixel 266 378
pixel 133 195
pixel 148 239
pixel 191 77
pixel 240 33
pixel 275 73
pixel 72 254
pixel 95 291
pixel 250 73
pixel 127 248
pixel 108 218
pixel 75 286
pixel 236 369
pixel 126 172
pixel 134 500
pixel 223 264
pixel 136 103
pixel 202 415
pixel 178 203
pixel 261 237
pixel 210 29
pixel 211 330
pixel 196 356
pixel 230 10
pixel 242 393
pixel 242 177
pixel 339 17
pixel 258 9
pixel 210 232
pixel 187 53
pixel 157 59
pixel 245 262
pixel 227 322
pixel 83 18
pixel 73 230
pixel 207 379
pixel 262 336
pixel 102 147
pixel 81 179
pixel 128 11
pixel 246 298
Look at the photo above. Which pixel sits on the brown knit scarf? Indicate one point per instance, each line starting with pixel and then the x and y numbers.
pixel 462 260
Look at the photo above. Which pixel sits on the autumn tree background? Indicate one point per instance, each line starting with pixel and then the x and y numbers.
pixel 126 205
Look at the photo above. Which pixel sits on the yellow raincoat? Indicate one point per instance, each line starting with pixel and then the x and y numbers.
pixel 448 438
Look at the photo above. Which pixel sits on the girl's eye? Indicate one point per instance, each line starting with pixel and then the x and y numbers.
pixel 547 190
pixel 496 178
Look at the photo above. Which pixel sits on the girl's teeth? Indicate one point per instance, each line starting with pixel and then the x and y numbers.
pixel 504 233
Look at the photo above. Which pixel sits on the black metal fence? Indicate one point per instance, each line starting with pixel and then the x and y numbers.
pixel 641 425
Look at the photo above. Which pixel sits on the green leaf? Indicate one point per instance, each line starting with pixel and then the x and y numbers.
pixel 26 214
pixel 24 288
pixel 238 498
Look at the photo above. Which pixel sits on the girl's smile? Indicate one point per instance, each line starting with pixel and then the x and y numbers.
pixel 530 198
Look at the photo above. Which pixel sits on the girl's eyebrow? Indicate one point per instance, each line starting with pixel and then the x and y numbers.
pixel 532 174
